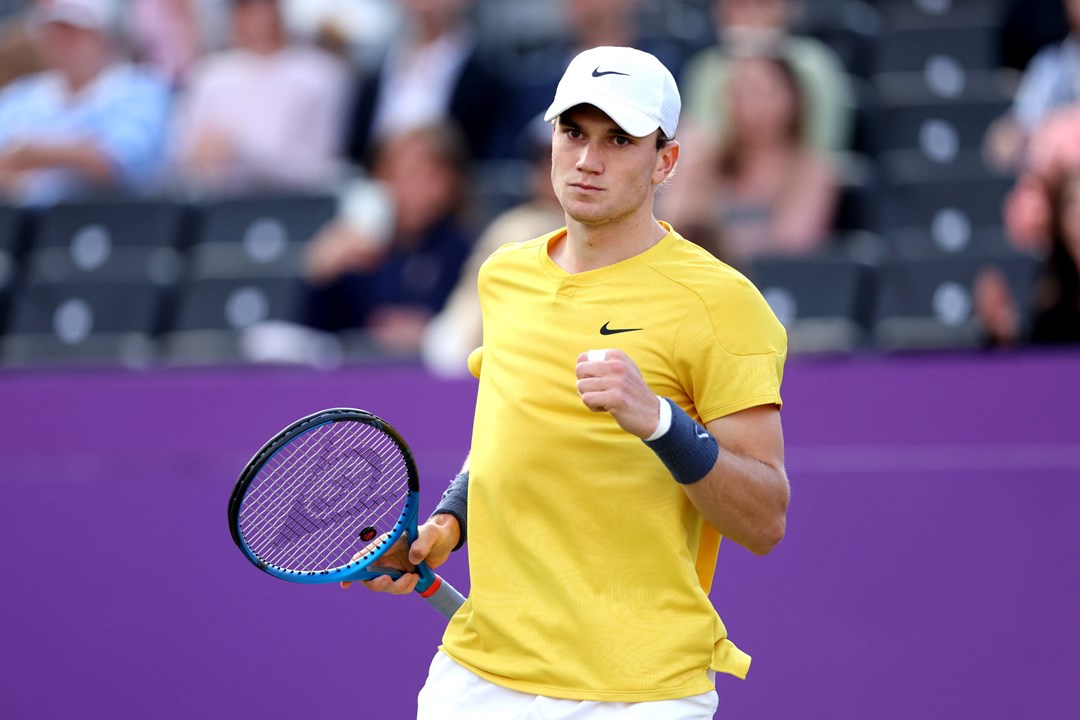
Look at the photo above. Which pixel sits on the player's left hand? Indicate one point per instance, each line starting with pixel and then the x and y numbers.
pixel 614 384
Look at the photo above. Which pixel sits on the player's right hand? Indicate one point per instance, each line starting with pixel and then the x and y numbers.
pixel 435 540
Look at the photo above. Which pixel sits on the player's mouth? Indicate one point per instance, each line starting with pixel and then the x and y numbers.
pixel 585 187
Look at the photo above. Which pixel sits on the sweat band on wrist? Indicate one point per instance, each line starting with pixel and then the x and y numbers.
pixel 687 450
pixel 455 502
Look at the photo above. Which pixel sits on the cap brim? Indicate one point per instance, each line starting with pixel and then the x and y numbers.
pixel 631 120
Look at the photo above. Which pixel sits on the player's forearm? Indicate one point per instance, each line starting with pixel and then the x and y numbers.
pixel 744 499
pixel 733 470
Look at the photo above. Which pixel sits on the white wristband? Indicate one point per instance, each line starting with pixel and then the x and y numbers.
pixel 664 424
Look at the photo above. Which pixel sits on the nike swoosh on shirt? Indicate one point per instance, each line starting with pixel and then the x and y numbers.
pixel 605 330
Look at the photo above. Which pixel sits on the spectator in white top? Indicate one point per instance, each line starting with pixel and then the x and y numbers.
pixel 432 73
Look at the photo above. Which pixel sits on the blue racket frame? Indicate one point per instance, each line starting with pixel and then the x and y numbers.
pixel 440 594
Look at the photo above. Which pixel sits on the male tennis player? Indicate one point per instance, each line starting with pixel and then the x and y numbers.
pixel 627 417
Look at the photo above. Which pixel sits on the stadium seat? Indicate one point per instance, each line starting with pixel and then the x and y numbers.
pixel 942 81
pixel 913 166
pixel 83 323
pixel 127 241
pixel 823 301
pixel 858 207
pixel 11 241
pixel 971 47
pixel 949 211
pixel 213 316
pixel 257 236
pixel 928 303
pixel 917 14
pixel 940 130
pixel 849 27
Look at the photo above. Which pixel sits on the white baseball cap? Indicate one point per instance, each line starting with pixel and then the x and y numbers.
pixel 631 86
pixel 86 14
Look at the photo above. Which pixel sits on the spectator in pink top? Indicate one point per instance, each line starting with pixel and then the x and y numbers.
pixel 265 114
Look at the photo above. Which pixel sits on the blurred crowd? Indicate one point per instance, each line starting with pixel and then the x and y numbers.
pixel 405 105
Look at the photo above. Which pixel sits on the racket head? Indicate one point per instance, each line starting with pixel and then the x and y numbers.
pixel 335 484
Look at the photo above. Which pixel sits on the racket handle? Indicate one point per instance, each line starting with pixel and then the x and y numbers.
pixel 444 597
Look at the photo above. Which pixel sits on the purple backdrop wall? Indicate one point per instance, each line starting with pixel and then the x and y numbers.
pixel 930 567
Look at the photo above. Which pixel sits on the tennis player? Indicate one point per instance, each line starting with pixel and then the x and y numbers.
pixel 627 417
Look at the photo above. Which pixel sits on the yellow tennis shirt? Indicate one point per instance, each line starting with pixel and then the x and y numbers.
pixel 590 567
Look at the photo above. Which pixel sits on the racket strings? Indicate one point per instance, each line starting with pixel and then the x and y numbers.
pixel 316 469
pixel 305 548
pixel 286 466
pixel 296 509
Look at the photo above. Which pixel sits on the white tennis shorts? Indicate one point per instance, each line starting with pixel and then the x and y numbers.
pixel 454 693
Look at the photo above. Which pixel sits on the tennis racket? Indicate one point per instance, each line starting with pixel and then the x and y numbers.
pixel 326 497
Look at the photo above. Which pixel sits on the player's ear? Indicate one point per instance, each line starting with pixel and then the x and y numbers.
pixel 667 158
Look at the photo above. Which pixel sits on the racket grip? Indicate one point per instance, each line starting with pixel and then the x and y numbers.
pixel 444 597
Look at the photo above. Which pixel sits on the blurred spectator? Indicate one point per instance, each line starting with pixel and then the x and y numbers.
pixel 433 72
pixel 89 121
pixel 392 283
pixel 1055 315
pixel 1053 152
pixel 763 189
pixel 166 35
pixel 457 329
pixel 588 24
pixel 266 113
pixel 762 27
pixel 360 30
pixel 1052 81
pixel 18 56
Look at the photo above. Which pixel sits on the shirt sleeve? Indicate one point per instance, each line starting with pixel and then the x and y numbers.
pixel 730 352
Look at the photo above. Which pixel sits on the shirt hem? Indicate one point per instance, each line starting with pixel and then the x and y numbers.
pixel 561 693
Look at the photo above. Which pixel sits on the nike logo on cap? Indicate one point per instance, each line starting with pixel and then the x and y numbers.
pixel 598 73
pixel 605 330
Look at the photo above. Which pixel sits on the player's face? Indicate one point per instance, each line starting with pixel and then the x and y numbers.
pixel 600 173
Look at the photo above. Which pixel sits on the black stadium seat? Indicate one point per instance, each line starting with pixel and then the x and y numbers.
pixel 971 47
pixel 913 14
pixel 929 304
pixel 257 236
pixel 83 323
pixel 11 241
pixel 927 203
pixel 107 241
pixel 938 129
pixel 213 316
pixel 823 301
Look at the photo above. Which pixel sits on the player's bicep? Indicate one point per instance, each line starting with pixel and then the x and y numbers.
pixel 754 433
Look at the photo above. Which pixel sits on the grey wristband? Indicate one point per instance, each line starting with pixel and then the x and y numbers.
pixel 455 502
pixel 687 450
